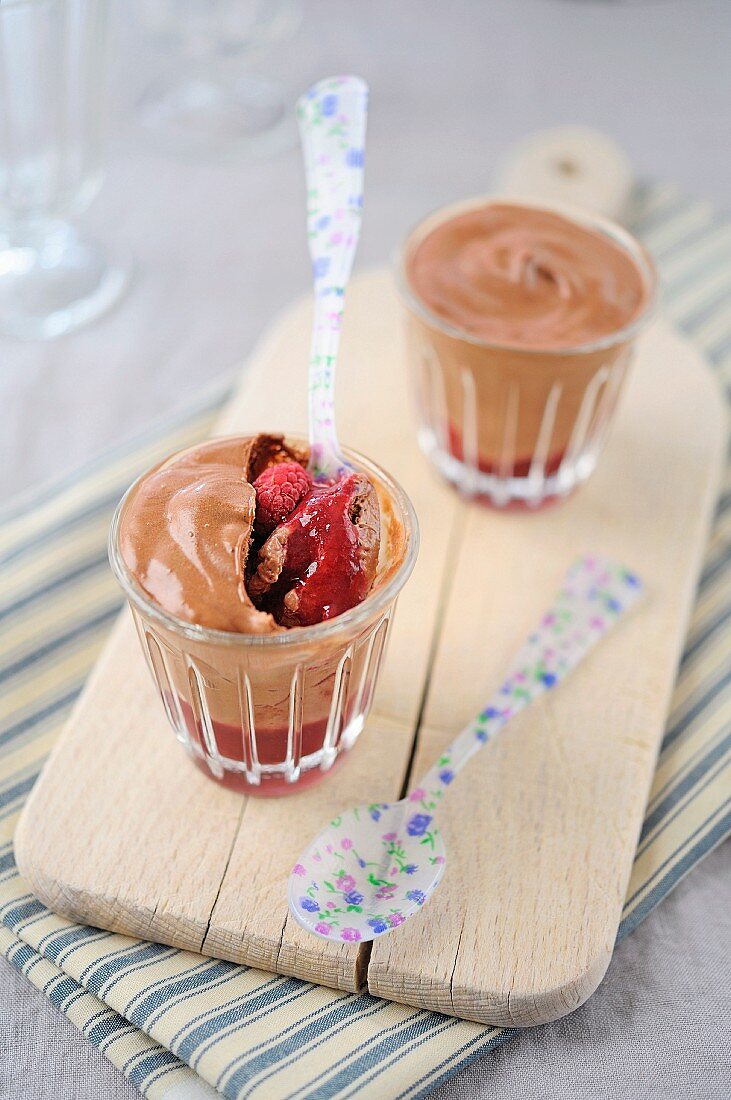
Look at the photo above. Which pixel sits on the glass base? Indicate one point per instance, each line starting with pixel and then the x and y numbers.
pixel 270 780
pixel 204 118
pixel 528 492
pixel 56 282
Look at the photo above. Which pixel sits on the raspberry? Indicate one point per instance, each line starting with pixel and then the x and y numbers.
pixel 279 489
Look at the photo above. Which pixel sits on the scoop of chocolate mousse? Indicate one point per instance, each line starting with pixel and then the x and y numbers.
pixel 185 536
pixel 189 536
pixel 322 559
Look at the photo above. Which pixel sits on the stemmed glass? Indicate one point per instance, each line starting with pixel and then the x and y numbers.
pixel 52 64
pixel 216 107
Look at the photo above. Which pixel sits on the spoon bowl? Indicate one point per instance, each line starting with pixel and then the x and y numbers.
pixel 368 871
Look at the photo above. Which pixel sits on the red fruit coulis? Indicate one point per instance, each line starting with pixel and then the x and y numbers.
pixel 323 562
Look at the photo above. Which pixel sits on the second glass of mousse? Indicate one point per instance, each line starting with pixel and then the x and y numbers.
pixel 262 601
pixel 521 320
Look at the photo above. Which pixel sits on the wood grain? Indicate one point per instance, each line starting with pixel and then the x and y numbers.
pixel 523 927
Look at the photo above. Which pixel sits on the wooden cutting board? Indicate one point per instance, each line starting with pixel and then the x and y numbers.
pixel 121 831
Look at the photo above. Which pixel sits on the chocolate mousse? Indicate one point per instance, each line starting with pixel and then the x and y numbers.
pixel 233 535
pixel 521 322
pixel 526 278
pixel 240 548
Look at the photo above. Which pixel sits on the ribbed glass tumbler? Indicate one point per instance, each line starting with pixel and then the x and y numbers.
pixel 271 713
pixel 514 426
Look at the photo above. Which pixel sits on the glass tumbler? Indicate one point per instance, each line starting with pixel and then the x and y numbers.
pixel 271 713
pixel 512 426
pixel 52 63
pixel 215 107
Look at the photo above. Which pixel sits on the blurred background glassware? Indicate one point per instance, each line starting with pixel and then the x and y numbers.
pixel 216 108
pixel 516 427
pixel 52 67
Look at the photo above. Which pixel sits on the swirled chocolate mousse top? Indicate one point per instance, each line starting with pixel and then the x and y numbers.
pixel 527 278
pixel 233 535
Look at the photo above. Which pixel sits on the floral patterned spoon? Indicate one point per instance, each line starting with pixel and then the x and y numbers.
pixel 374 866
pixel 332 121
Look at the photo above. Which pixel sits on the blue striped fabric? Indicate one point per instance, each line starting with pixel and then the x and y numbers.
pixel 179 1025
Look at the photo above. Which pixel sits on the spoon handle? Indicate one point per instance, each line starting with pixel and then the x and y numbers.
pixel 594 595
pixel 332 122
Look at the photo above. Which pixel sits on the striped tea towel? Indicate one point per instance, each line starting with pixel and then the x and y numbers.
pixel 179 1025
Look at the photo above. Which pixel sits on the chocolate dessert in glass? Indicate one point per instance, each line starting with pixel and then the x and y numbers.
pixel 521 321
pixel 263 601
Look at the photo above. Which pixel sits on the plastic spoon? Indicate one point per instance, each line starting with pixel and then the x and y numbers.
pixel 332 122
pixel 374 866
